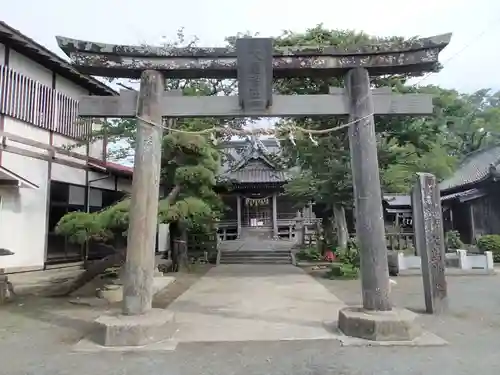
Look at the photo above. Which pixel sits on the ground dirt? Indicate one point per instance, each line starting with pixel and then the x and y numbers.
pixel 37 334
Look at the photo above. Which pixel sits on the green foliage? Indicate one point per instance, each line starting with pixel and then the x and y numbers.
pixel 453 240
pixel 350 255
pixel 98 226
pixel 190 212
pixel 325 173
pixel 490 242
pixel 309 254
pixel 342 272
pixel 349 263
pixel 80 227
pixel 461 123
pixel 189 164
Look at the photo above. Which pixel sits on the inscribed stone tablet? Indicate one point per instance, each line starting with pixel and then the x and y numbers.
pixel 255 73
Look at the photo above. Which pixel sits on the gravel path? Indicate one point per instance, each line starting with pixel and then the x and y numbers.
pixel 36 338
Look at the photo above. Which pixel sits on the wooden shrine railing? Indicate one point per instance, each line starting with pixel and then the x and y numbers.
pixel 26 99
pixel 200 244
pixel 227 230
pixel 400 241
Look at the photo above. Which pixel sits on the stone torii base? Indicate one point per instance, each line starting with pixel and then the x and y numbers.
pixel 394 325
pixel 134 330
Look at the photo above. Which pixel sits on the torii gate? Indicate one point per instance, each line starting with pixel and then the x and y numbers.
pixel 254 62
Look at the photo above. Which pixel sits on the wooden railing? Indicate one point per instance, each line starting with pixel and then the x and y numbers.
pixel 227 230
pixel 198 244
pixel 400 241
pixel 27 100
pixel 286 228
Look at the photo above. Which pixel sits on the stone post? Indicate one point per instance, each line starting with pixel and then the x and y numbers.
pixel 490 265
pixel 428 226
pixel 139 265
pixel 370 229
pixel 299 230
pixel 238 213
pixel 463 263
pixel 275 216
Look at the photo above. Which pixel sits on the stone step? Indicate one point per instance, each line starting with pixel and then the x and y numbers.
pixel 255 253
pixel 256 257
pixel 255 261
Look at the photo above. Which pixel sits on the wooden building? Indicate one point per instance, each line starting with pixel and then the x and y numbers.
pixel 39 94
pixel 397 212
pixel 471 197
pixel 252 186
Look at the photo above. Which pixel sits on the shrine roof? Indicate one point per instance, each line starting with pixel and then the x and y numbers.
pixel 396 200
pixel 476 167
pixel 251 161
pixel 257 176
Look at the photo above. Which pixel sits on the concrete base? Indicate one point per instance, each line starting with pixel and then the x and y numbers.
pixel 426 339
pixel 395 325
pixel 114 292
pixel 136 330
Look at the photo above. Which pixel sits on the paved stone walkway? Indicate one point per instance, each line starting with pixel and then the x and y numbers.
pixel 255 303
pixel 38 336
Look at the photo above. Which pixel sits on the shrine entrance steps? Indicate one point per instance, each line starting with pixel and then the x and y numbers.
pixel 255 251
pixel 255 257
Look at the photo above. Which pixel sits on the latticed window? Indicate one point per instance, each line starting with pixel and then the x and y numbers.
pixel 27 100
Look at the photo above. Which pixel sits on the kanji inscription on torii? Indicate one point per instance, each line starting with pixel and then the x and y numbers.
pixel 255 63
pixel 255 73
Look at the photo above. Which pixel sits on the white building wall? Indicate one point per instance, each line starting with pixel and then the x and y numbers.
pixel 30 68
pixel 124 185
pixel 23 211
pixel 101 181
pixel 64 173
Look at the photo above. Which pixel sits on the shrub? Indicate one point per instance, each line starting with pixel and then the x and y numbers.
pixel 349 259
pixel 310 254
pixel 350 255
pixel 490 242
pixel 343 272
pixel 453 240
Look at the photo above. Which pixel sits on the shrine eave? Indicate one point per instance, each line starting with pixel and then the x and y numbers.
pixel 256 176
pixel 111 60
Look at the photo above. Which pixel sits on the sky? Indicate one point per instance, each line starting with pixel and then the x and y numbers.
pixel 470 61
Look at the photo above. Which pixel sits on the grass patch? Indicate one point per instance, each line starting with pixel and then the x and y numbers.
pixel 342 272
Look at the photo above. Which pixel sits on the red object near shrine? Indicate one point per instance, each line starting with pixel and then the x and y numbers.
pixel 330 256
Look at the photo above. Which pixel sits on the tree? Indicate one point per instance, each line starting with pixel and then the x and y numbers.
pixel 464 123
pixel 325 166
pixel 189 167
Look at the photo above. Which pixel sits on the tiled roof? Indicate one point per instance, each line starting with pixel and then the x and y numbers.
pixel 256 176
pixel 35 51
pixel 397 200
pixel 464 196
pixel 474 168
pixel 252 164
